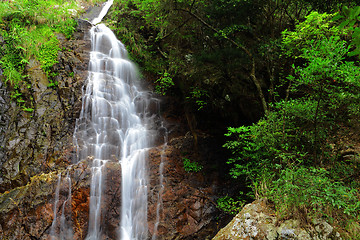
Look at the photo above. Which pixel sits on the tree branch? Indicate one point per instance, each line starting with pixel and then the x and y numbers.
pixel 253 65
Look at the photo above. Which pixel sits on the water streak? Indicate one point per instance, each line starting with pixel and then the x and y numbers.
pixel 64 227
pixel 103 12
pixel 57 193
pixel 159 204
pixel 116 123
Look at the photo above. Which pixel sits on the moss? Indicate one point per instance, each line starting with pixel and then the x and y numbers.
pixel 11 199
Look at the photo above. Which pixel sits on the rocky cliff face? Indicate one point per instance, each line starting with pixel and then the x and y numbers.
pixel 4 122
pixel 185 211
pixel 37 149
pixel 39 142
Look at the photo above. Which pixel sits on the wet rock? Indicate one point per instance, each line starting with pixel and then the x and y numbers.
pixel 4 123
pixel 37 147
pixel 28 211
pixel 187 208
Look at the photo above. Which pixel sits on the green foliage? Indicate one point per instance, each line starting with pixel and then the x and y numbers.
pixel 190 166
pixel 312 189
pixel 249 156
pixel 199 96
pixel 164 83
pixel 316 27
pixel 324 76
pixel 28 29
pixel 274 154
pixel 230 205
pixel 287 156
pixel 327 77
pixel 349 20
pixel 47 54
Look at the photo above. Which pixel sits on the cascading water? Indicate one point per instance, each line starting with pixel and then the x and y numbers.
pixel 161 185
pixel 114 126
pixel 64 231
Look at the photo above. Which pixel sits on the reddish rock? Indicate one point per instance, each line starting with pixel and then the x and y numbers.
pixel 80 211
pixel 186 207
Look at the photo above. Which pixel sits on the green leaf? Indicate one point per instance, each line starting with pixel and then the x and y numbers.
pixel 344 24
pixel 354 13
pixel 337 17
pixel 354 53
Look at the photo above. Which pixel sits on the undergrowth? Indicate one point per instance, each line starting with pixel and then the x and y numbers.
pixel 293 156
pixel 28 29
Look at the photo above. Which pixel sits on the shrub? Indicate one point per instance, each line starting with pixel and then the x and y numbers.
pixel 28 29
pixel 191 166
pixel 230 205
pixel 312 189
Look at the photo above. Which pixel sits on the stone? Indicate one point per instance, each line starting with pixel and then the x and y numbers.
pixel 187 209
pixel 37 147
pixel 33 142
pixel 257 221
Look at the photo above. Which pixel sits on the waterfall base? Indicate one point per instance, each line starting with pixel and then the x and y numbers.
pixel 188 209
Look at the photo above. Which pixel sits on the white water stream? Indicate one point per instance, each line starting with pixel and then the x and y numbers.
pixel 117 125
pixel 159 204
pixel 114 126
pixel 62 230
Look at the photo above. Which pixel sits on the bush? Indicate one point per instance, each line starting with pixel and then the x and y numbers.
pixel 191 166
pixel 28 29
pixel 230 205
pixel 312 189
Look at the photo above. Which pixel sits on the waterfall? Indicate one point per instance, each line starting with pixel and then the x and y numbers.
pixel 65 229
pixel 161 185
pixel 115 124
pixel 57 193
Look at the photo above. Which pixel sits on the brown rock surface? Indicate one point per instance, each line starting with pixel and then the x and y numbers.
pixel 187 210
pixel 38 148
pixel 187 206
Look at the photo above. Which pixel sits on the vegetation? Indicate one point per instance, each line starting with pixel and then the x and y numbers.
pixel 190 166
pixel 30 33
pixel 286 72
pixel 292 155
pixel 230 205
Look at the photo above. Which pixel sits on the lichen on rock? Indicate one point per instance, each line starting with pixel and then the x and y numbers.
pixel 258 220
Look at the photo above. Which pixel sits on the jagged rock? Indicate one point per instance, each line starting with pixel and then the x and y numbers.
pixel 4 122
pixel 38 142
pixel 258 220
pixel 27 212
pixel 187 210
pixel 187 206
pixel 37 147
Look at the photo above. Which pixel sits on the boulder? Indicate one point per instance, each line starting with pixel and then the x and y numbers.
pixel 258 220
